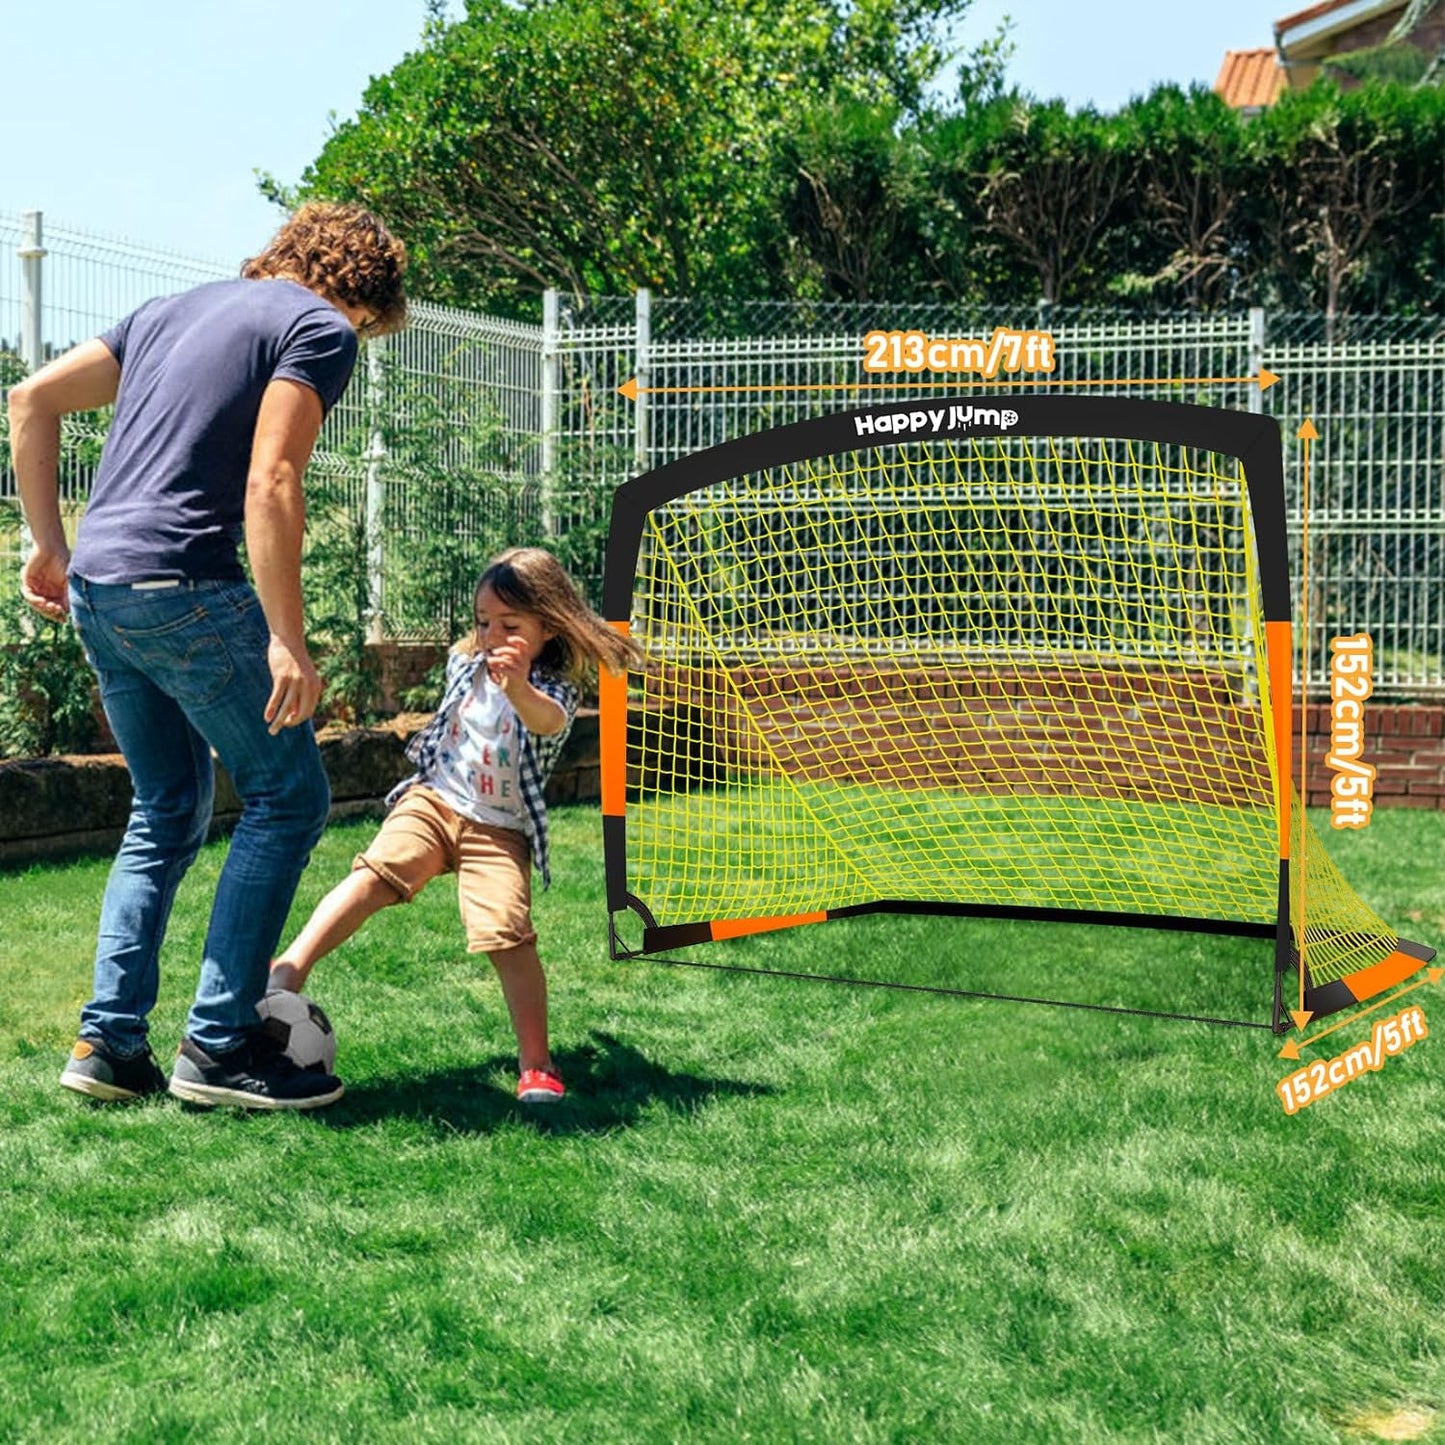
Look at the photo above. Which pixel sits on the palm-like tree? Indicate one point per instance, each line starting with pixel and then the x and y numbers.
pixel 1415 13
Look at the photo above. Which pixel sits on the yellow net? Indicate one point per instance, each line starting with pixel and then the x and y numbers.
pixel 1017 672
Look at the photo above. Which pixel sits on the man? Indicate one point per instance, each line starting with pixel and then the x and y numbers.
pixel 219 395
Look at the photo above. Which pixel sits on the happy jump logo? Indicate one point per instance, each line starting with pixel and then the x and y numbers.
pixel 933 420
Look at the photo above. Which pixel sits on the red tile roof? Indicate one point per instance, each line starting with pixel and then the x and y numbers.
pixel 1249 79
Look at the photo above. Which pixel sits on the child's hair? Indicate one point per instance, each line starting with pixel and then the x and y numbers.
pixel 534 581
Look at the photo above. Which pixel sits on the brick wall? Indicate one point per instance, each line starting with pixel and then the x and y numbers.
pixel 84 802
pixel 1047 731
pixel 1405 742
pixel 401 666
pixel 58 807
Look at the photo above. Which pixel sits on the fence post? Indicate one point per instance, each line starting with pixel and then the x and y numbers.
pixel 32 255
pixel 551 387
pixel 643 346
pixel 32 315
pixel 375 490
pixel 1254 396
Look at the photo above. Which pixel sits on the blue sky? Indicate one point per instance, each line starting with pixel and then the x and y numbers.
pixel 148 120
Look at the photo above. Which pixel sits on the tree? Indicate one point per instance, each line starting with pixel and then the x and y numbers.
pixel 859 186
pixel 600 145
pixel 1415 14
pixel 782 148
pixel 1193 168
pixel 1050 187
pixel 1351 194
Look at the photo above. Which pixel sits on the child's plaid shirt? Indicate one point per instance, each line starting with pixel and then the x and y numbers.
pixel 538 754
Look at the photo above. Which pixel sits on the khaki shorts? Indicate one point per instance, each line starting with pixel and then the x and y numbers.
pixel 422 837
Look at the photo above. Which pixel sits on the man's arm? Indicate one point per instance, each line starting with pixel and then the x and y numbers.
pixel 82 379
pixel 286 430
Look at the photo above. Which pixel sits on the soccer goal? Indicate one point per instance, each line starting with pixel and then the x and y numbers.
pixel 1022 657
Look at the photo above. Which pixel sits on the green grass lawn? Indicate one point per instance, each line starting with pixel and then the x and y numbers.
pixel 770 1210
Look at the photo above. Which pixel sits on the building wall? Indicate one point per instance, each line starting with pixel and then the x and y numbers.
pixel 1428 37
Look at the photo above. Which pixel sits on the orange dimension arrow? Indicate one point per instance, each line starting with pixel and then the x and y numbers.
pixel 1292 1048
pixel 631 390
pixel 1306 434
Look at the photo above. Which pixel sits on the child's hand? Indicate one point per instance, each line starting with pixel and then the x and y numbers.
pixel 508 666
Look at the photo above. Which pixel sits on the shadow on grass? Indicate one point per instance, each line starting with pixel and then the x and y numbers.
pixel 609 1086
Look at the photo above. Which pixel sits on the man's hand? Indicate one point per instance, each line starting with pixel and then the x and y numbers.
pixel 295 685
pixel 43 585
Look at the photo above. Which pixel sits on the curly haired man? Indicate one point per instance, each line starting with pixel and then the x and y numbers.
pixel 219 395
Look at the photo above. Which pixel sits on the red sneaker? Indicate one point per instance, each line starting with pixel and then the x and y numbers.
pixel 539 1086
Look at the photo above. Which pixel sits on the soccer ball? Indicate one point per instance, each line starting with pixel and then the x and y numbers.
pixel 300 1027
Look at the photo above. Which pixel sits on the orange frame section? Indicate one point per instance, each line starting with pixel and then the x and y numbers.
pixel 1279 647
pixel 612 730
pixel 738 927
pixel 1367 982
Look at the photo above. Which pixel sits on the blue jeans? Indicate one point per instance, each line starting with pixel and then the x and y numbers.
pixel 182 671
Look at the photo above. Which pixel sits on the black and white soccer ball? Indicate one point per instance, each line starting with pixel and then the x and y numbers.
pixel 300 1027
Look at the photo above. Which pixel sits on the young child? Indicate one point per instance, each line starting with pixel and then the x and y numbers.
pixel 475 804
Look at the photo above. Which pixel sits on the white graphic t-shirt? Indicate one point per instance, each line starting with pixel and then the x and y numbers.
pixel 477 768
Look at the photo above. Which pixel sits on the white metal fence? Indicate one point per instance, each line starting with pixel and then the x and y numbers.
pixel 1376 394
pixel 475 427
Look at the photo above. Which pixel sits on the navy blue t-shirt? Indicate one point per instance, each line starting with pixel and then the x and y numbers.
pixel 170 494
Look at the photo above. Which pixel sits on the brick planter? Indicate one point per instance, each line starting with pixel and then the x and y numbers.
pixel 59 807
pixel 1404 741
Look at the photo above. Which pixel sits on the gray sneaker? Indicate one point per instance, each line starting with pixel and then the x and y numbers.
pixel 254 1075
pixel 95 1070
